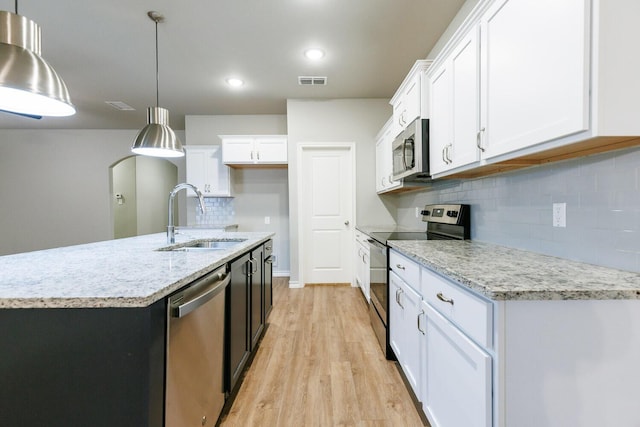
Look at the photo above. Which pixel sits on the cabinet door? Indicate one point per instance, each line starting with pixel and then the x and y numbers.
pixel 206 171
pixel 535 59
pixel 465 101
pixel 457 376
pixel 380 168
pixel 359 269
pixel 411 363
pixel 256 288
pixel 411 100
pixel 441 117
pixel 271 150
pixel 268 285
pixel 366 274
pixel 238 150
pixel 237 324
pixel 396 315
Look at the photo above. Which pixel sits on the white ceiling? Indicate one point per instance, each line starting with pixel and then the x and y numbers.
pixel 105 51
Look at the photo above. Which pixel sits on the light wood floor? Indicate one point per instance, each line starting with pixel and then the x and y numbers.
pixel 319 364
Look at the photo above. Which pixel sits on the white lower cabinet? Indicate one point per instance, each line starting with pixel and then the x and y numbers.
pixel 405 310
pixel 362 271
pixel 457 376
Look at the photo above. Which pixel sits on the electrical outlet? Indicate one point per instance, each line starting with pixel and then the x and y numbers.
pixel 559 214
pixel 267 220
pixel 417 212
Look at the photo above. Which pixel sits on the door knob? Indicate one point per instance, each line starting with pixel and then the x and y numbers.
pixel 346 222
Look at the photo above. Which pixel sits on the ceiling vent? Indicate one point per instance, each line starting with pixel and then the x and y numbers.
pixel 312 81
pixel 119 105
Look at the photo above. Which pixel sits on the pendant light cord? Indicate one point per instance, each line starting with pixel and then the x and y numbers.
pixel 157 70
pixel 16 7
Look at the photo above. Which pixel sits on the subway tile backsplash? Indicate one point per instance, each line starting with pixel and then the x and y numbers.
pixel 602 194
pixel 219 211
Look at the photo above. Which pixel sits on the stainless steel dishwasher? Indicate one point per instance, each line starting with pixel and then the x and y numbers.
pixel 195 349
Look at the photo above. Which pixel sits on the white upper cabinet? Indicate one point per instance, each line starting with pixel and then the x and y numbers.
pixel 206 171
pixel 239 150
pixel 528 82
pixel 384 166
pixel 535 72
pixel 454 97
pixel 410 100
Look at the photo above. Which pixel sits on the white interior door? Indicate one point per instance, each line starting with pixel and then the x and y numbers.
pixel 326 194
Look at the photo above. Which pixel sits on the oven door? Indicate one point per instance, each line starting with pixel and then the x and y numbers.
pixel 378 307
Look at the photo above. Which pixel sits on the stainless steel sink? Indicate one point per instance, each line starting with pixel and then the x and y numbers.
pixel 204 245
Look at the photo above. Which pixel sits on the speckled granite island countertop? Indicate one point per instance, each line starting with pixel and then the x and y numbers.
pixel 116 273
pixel 502 273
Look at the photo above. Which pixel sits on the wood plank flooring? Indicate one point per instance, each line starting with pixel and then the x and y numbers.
pixel 319 364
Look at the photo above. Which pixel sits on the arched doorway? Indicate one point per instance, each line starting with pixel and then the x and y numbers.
pixel 139 189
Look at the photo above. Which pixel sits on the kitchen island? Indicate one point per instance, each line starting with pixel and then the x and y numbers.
pixel 518 338
pixel 84 327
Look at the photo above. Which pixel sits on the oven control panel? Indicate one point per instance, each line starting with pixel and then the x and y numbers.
pixel 445 214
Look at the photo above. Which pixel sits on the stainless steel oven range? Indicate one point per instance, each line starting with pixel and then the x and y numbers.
pixel 444 222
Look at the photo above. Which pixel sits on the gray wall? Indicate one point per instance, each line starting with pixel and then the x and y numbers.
pixel 258 193
pixel 602 193
pixel 54 186
pixel 340 120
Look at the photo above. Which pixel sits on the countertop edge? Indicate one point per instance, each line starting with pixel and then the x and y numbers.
pixel 480 286
pixel 132 301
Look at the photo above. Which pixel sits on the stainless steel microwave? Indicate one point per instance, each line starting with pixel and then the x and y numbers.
pixel 411 152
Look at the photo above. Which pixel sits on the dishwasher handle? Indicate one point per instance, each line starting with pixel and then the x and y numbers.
pixel 185 304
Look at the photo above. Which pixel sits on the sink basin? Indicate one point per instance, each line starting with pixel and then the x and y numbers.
pixel 213 244
pixel 205 245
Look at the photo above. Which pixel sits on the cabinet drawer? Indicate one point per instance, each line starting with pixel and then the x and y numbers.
pixel 406 269
pixel 361 238
pixel 469 312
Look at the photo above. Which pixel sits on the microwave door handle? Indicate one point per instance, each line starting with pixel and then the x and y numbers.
pixel 404 154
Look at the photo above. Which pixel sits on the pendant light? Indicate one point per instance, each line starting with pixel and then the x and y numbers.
pixel 157 138
pixel 29 86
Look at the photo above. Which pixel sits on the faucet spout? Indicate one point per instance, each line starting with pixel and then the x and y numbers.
pixel 171 237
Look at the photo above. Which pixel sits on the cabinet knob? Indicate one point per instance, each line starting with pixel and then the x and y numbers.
pixel 400 266
pixel 346 223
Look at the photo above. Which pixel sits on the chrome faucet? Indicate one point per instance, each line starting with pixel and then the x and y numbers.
pixel 171 229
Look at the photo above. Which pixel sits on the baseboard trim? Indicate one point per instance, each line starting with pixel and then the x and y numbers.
pixel 295 284
pixel 281 273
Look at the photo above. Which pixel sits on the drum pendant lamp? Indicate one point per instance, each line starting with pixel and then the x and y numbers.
pixel 157 139
pixel 29 86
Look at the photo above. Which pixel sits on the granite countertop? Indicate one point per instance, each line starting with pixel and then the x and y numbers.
pixel 116 273
pixel 502 273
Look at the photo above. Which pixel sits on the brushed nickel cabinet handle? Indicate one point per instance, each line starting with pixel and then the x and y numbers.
pixel 444 299
pixel 419 328
pixel 400 266
pixel 400 296
pixel 479 140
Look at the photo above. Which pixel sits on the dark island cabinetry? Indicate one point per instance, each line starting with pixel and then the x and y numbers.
pixel 82 367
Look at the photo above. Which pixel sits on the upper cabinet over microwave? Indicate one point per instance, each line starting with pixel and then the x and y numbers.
pixel 522 83
pixel 411 100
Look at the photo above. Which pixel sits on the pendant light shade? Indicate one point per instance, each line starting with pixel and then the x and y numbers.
pixel 28 84
pixel 157 139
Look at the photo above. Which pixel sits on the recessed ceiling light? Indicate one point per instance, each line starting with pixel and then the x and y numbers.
pixel 314 54
pixel 233 82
